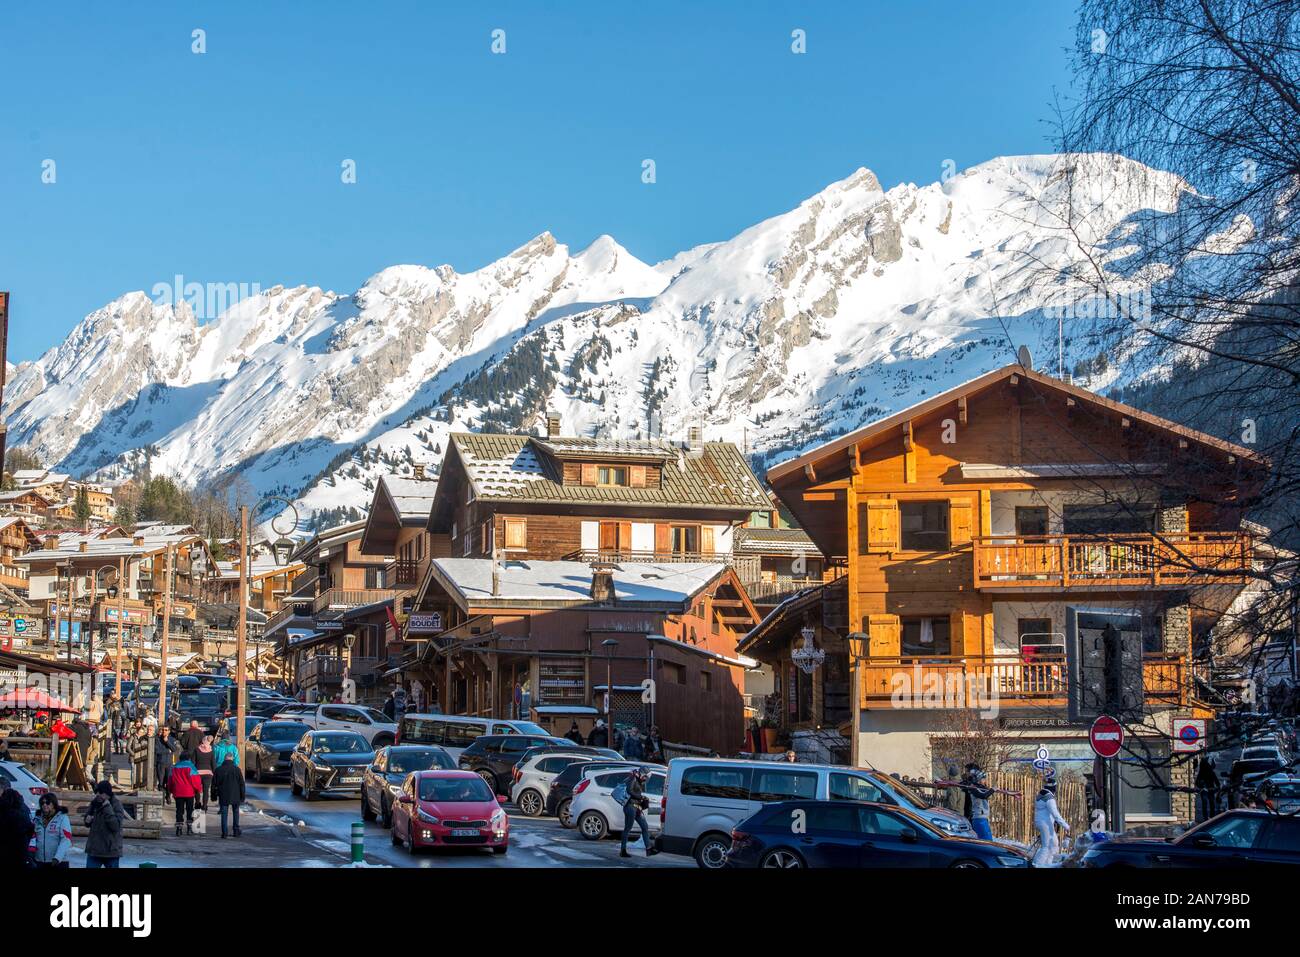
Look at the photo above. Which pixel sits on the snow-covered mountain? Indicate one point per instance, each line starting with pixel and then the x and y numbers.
pixel 851 305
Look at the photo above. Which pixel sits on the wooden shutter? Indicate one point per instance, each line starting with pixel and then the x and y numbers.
pixel 882 525
pixel 588 474
pixel 636 476
pixel 960 517
pixel 957 632
pixel 625 536
pixel 516 533
pixel 608 536
pixel 663 538
pixel 884 636
pixel 706 539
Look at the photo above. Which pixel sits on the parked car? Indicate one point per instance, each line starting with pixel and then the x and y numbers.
pixel 708 797
pixel 597 815
pixel 1280 793
pixel 1236 838
pixel 269 749
pixel 267 705
pixel 14 774
pixel 449 809
pixel 329 762
pixel 1255 764
pixel 559 798
pixel 206 706
pixel 493 756
pixel 383 779
pixel 457 732
pixel 533 777
pixel 251 721
pixel 857 834
pixel 370 723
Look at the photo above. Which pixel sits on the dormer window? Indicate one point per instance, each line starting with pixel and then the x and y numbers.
pixel 611 475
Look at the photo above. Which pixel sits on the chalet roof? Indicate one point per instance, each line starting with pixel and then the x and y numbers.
pixel 654 450
pixel 105 548
pixel 549 584
pixel 259 567
pixel 412 498
pixel 881 427
pixel 769 541
pixel 787 618
pixel 326 538
pixel 519 468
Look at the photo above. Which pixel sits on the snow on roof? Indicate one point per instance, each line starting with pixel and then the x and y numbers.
pixel 669 583
pixel 739 661
pixel 413 497
pixel 567 708
pixel 259 566
pixel 123 547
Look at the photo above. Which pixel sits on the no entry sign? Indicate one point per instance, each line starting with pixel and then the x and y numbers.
pixel 1106 736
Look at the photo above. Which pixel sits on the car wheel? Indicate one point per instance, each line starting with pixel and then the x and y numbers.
pixel 294 786
pixel 381 741
pixel 530 802
pixel 969 865
pixel 592 826
pixel 782 858
pixel 307 793
pixel 489 779
pixel 410 837
pixel 501 850
pixel 366 813
pixel 562 813
pixel 387 811
pixel 711 850
pixel 395 837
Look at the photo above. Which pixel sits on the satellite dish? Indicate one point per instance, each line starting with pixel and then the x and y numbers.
pixel 1026 358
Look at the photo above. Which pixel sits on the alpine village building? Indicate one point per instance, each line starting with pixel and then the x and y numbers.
pixel 975 529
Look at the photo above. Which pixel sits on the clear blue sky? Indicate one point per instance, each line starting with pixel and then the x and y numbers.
pixel 225 167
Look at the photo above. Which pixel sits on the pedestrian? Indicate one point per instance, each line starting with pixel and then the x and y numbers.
pixel 654 745
pixel 191 738
pixel 390 706
pixel 954 798
pixel 978 793
pixel 138 751
pixel 224 746
pixel 631 794
pixel 205 760
pixel 150 721
pixel 228 786
pixel 15 831
pixel 117 723
pixel 1046 817
pixel 1207 788
pixel 633 745
pixel 599 737
pixel 165 749
pixel 574 734
pixel 104 819
pixel 100 748
pixel 185 785
pixel 53 833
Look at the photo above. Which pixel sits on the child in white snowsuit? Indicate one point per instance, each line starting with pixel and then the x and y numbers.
pixel 1046 817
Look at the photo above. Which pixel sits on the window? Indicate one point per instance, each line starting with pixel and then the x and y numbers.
pixel 673 672
pixel 516 533
pixel 924 526
pixel 882 823
pixel 716 782
pixel 654 785
pixel 1284 835
pixel 686 539
pixel 926 636
pixel 782 785
pixel 1145 792
pixel 706 681
pixel 554 765
pixel 372 577
pixel 461 735
pixel 839 819
pixel 611 475
pixel 1237 831
pixel 1036 631
pixel 610 780
pixel 615 536
pixel 1109 518
pixel 1031 519
pixel 850 787
pixel 761 520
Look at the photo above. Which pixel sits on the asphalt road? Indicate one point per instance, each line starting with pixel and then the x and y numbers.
pixel 534 842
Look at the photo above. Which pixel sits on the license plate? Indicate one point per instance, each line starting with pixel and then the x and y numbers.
pixel 464 832
pixel 351 780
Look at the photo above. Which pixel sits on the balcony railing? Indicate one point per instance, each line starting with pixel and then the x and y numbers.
pixel 1006 680
pixel 772 593
pixel 350 597
pixel 401 574
pixel 1064 561
pixel 627 555
pixel 329 668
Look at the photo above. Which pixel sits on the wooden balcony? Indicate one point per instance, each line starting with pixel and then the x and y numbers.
pixel 1001 681
pixel 626 555
pixel 350 597
pixel 775 592
pixel 328 668
pixel 401 575
pixel 1171 559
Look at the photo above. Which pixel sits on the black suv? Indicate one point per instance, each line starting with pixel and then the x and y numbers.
pixel 492 756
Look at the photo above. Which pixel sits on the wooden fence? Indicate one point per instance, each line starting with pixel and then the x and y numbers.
pixel 1013 817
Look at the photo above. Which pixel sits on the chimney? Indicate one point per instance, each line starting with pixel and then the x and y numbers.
pixel 552 424
pixel 138 540
pixel 419 470
pixel 694 442
pixel 51 542
pixel 602 583
pixel 496 573
pixel 84 547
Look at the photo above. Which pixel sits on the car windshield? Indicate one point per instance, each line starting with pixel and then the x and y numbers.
pixel 454 790
pixel 283 731
pixel 376 716
pixel 201 699
pixel 341 744
pixel 1259 753
pixel 527 727
pixel 902 790
pixel 404 762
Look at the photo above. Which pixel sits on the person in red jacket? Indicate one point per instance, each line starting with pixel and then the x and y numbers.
pixel 185 785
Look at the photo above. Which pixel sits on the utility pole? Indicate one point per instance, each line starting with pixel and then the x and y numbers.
pixel 241 636
pixel 1114 649
pixel 121 621
pixel 166 635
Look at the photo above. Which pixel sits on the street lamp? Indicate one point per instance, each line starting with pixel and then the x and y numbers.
pixel 112 592
pixel 281 549
pixel 609 644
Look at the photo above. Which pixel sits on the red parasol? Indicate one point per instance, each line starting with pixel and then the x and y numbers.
pixel 33 698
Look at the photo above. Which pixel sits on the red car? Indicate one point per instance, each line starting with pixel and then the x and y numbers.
pixel 449 809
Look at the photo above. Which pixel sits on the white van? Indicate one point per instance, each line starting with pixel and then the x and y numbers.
pixel 707 797
pixel 457 732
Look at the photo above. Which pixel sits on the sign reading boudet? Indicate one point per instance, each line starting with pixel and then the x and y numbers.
pixel 422 624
